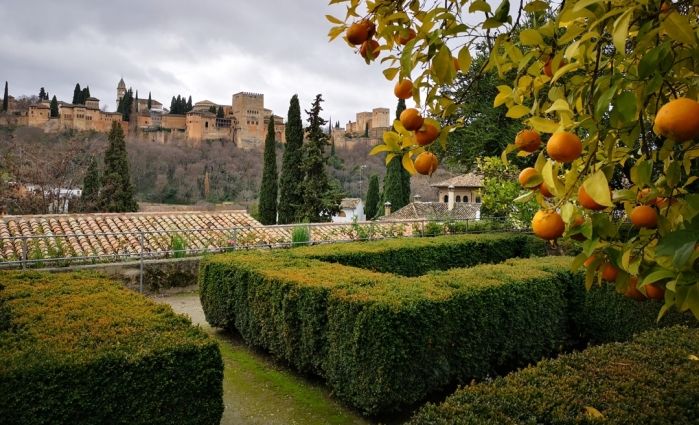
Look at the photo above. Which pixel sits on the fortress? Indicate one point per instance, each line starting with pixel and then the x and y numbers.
pixel 244 121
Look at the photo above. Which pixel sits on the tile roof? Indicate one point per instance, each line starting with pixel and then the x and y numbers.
pixel 464 180
pixel 350 202
pixel 435 211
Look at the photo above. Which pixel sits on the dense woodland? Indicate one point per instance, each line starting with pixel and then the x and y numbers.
pixel 172 174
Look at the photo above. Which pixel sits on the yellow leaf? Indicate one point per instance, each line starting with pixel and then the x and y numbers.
pixel 679 28
pixel 392 139
pixel 524 82
pixel 390 73
pixel 693 358
pixel 408 164
pixel 593 413
pixel 558 105
pixel 464 59
pixel 400 129
pixel 505 93
pixel 443 66
pixel 550 174
pixel 531 37
pixel 333 20
pixel 564 69
pixel 621 30
pixel 517 111
pixel 597 187
pixel 543 125
pixel 378 149
pixel 390 157
pixel 334 32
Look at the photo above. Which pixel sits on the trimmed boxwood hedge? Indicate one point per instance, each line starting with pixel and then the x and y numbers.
pixel 652 379
pixel 384 341
pixel 81 349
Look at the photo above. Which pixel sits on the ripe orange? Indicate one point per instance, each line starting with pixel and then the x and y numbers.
pixel 644 216
pixel 644 196
pixel 528 140
pixel 359 32
pixel 403 38
pixel 369 49
pixel 545 190
pixel 426 134
pixel 426 163
pixel 655 292
pixel 586 200
pixel 564 147
pixel 548 225
pixel 609 272
pixel 632 292
pixel 589 260
pixel 411 119
pixel 526 175
pixel 678 119
pixel 403 89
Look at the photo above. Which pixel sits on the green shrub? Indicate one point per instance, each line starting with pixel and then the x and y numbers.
pixel 178 246
pixel 300 235
pixel 81 349
pixel 651 379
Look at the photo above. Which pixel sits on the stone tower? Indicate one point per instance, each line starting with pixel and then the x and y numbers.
pixel 121 91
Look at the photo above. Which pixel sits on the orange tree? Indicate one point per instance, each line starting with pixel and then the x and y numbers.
pixel 610 87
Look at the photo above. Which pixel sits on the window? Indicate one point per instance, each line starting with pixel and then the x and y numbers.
pixel 478 199
pixel 458 198
pixel 206 124
pixel 465 198
pixel 446 198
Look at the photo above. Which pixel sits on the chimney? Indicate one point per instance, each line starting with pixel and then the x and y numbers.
pixel 387 208
pixel 452 198
pixel 417 198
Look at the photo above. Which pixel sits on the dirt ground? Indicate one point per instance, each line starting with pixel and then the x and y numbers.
pixel 256 389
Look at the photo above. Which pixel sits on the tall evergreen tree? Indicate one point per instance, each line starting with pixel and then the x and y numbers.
pixel 173 104
pixel 268 189
pixel 84 95
pixel 393 187
pixel 366 130
pixel 291 192
pixel 54 107
pixel 77 94
pixel 219 113
pixel 321 199
pixel 150 101
pixel 137 106
pixel 372 197
pixel 42 94
pixel 126 105
pixel 117 194
pixel 189 104
pixel 405 176
pixel 89 198
pixel 5 99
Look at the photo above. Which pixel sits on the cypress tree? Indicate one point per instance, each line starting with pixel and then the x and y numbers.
pixel 89 197
pixel 189 104
pixel 405 176
pixel 42 94
pixel 172 105
pixel 117 191
pixel 84 95
pixel 5 99
pixel 54 107
pixel 393 187
pixel 372 197
pixel 77 94
pixel 219 113
pixel 150 101
pixel 366 130
pixel 137 101
pixel 291 194
pixel 268 190
pixel 212 109
pixel 320 198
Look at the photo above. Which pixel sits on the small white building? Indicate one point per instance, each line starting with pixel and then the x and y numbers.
pixel 350 209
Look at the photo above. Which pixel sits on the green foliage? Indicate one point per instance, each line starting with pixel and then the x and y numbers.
pixel 371 205
pixel 116 194
pixel 5 99
pixel 300 235
pixel 268 188
pixel 321 197
pixel 180 105
pixel 178 246
pixel 89 198
pixel 77 94
pixel 126 105
pixel 651 379
pixel 219 113
pixel 54 107
pixel 291 191
pixel 500 187
pixel 82 349
pixel 150 102
pixel 395 189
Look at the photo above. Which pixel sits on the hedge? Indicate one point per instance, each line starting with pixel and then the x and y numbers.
pixel 652 379
pixel 384 341
pixel 81 349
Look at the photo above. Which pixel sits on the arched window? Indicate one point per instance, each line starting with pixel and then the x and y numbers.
pixel 465 198
pixel 458 198
pixel 206 124
pixel 446 198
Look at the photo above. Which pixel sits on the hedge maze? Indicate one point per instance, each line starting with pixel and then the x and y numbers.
pixel 388 323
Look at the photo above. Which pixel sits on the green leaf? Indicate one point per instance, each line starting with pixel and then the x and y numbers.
pixel 597 187
pixel 672 242
pixel 626 106
pixel 390 73
pixel 479 6
pixel 502 13
pixel 682 254
pixel 641 172
pixel 604 102
pixel 620 31
pixel 657 275
pixel 525 197
pixel 673 173
pixel 531 37
pixel 678 28
pixel 583 4
pixel 536 6
pixel 443 66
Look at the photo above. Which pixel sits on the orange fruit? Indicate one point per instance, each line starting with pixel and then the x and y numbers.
pixel 403 89
pixel 589 261
pixel 644 196
pixel 564 147
pixel 411 119
pixel 403 38
pixel 654 292
pixel 545 190
pixel 678 119
pixel 548 225
pixel 426 163
pixel 526 175
pixel 369 49
pixel 632 292
pixel 609 272
pixel 426 134
pixel 586 200
pixel 359 32
pixel 528 140
pixel 644 216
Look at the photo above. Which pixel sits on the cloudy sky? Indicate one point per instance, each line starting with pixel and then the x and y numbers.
pixel 207 49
